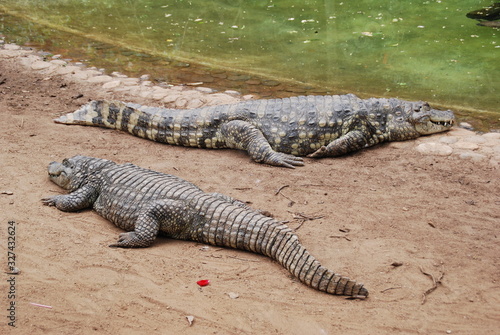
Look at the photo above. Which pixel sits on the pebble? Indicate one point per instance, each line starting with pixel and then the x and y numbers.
pixel 194 103
pixel 435 149
pixel 472 156
pixel 39 65
pixel 111 84
pixel 463 144
pixel 100 79
pixel 58 62
pixel 11 47
pixel 233 295
pixel 465 125
pixel 205 89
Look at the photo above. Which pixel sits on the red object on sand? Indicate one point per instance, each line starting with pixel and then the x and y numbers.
pixel 203 282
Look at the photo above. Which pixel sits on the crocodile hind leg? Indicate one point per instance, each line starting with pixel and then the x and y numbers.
pixel 169 215
pixel 242 135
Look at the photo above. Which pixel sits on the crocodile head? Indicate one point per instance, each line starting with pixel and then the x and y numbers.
pixel 413 119
pixel 429 121
pixel 74 171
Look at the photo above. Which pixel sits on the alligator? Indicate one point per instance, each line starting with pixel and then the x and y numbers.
pixel 488 16
pixel 273 131
pixel 147 203
pixel 489 13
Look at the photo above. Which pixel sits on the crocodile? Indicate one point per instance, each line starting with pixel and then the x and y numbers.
pixel 147 203
pixel 273 131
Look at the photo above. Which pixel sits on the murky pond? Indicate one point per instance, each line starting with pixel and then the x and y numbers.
pixel 415 50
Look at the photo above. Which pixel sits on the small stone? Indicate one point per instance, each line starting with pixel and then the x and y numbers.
pixel 158 95
pixel 436 149
pixel 233 295
pixel 462 144
pixel 194 103
pixel 58 62
pixel 170 98
pixel 181 102
pixel 130 81
pixel 145 94
pixel 475 157
pixel 492 136
pixel 111 84
pixel 232 92
pixel 448 139
pixel 100 79
pixel 68 69
pixel 466 125
pixel 118 75
pixel 475 139
pixel 84 74
pixel 205 89
pixel 456 131
pixel 40 65
pixel 11 47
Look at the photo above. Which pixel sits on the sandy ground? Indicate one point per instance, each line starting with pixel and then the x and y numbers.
pixel 436 216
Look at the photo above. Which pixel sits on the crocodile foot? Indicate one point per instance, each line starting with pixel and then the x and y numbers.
pixel 130 240
pixel 284 160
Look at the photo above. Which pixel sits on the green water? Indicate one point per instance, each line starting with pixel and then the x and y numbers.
pixel 413 50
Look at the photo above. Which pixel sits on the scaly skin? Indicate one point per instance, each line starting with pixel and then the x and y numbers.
pixel 146 203
pixel 273 131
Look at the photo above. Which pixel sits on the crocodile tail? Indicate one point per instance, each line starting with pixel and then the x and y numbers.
pixel 115 115
pixel 95 113
pixel 244 229
pixel 290 253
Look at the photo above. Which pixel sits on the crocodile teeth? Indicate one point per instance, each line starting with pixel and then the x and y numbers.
pixel 443 123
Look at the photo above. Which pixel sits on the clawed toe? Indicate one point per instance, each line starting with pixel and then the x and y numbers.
pixel 48 201
pixel 318 153
pixel 284 160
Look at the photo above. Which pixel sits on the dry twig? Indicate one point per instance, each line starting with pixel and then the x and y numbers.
pixel 292 202
pixel 390 288
pixel 434 285
pixel 301 217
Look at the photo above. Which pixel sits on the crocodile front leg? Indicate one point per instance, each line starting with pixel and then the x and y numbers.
pixel 82 198
pixel 352 141
pixel 242 135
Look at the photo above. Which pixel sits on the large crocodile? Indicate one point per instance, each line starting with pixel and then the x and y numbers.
pixel 146 203
pixel 273 131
